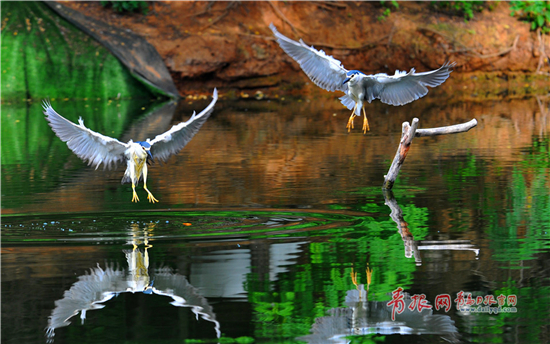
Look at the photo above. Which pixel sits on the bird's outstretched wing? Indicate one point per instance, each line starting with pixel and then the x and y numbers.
pixel 325 71
pixel 88 145
pixel 172 141
pixel 403 88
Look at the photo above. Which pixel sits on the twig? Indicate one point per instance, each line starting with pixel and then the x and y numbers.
pixel 207 10
pixel 407 135
pixel 331 3
pixel 542 49
pixel 500 53
pixel 225 12
pixel 283 17
pixel 216 20
pixel 391 35
pixel 450 129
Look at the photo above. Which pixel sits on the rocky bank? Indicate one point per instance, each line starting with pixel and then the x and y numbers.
pixel 229 44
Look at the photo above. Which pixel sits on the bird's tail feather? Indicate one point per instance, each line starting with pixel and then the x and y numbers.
pixel 347 102
pixel 126 179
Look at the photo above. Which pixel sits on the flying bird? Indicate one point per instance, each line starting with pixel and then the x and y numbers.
pixel 95 148
pixel 329 74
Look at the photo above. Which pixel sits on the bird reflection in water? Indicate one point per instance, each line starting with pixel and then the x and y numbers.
pixel 100 285
pixel 363 317
pixel 361 287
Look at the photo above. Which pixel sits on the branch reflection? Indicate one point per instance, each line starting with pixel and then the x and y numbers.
pixel 413 247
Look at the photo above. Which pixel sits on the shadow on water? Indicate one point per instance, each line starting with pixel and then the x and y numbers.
pixel 270 219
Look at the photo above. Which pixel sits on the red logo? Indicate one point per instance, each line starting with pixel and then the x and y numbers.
pixel 396 301
pixel 443 300
pixel 419 302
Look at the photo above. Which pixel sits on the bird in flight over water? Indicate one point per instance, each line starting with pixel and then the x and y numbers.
pixel 95 148
pixel 329 74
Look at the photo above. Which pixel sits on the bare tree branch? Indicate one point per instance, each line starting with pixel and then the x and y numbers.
pixel 407 135
pixel 450 129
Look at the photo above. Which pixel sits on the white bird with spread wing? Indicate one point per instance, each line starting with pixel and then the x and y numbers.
pixel 96 148
pixel 328 73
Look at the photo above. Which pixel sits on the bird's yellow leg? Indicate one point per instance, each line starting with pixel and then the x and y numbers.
pixel 354 281
pixel 150 196
pixel 369 276
pixel 135 197
pixel 365 122
pixel 350 120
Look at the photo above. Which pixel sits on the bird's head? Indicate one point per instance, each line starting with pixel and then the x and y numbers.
pixel 351 75
pixel 146 147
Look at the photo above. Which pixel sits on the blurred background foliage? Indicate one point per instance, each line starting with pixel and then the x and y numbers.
pixel 44 56
pixel 536 13
pixel 128 6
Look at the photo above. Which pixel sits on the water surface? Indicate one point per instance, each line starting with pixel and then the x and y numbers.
pixel 272 227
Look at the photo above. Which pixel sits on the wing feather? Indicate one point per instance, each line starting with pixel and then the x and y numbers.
pixel 324 70
pixel 88 145
pixel 403 88
pixel 172 141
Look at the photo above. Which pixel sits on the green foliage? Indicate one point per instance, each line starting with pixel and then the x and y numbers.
pixel 535 12
pixel 43 56
pixel 463 8
pixel 128 6
pixel 387 10
pixel 467 8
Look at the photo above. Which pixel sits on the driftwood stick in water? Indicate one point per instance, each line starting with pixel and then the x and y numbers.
pixel 408 133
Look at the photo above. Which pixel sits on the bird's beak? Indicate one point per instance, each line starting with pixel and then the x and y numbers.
pixel 347 79
pixel 149 152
